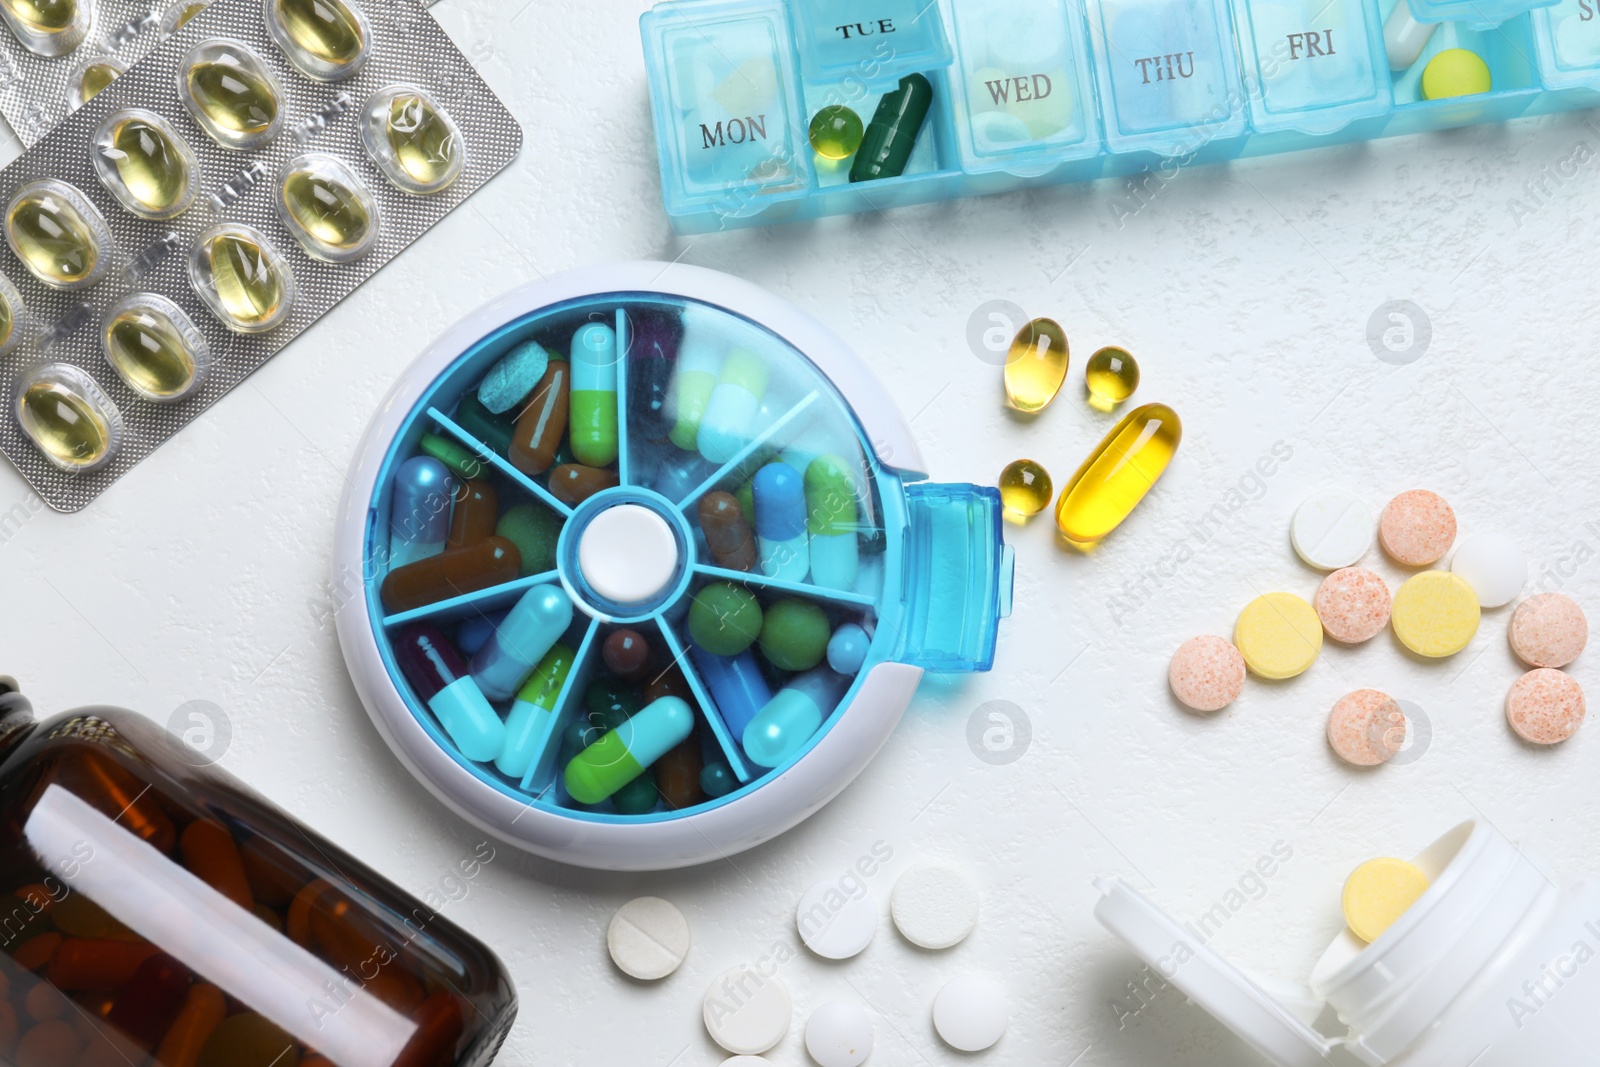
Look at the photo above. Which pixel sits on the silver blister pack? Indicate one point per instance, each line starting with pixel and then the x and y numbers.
pixel 336 181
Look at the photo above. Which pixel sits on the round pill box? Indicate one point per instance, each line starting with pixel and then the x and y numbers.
pixel 917 572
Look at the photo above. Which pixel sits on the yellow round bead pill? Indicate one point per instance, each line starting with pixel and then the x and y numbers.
pixel 1378 892
pixel 1279 635
pixel 1435 614
pixel 1455 72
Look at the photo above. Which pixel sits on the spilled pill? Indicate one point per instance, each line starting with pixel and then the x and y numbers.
pixel 1417 528
pixel 1332 528
pixel 1548 630
pixel 1435 614
pixel 1279 635
pixel 1206 673
pixel 934 907
pixel 1493 565
pixel 1366 728
pixel 648 938
pixel 1545 706
pixel 1353 604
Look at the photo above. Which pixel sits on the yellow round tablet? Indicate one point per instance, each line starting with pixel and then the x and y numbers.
pixel 1378 893
pixel 1435 614
pixel 1279 635
pixel 1455 72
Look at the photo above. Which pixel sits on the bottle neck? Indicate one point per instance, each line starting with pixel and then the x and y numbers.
pixel 16 715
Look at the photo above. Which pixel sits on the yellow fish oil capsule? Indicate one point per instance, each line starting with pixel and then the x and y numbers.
pixel 145 164
pixel 13 316
pixel 48 27
pixel 412 139
pixel 1036 365
pixel 179 14
pixel 324 39
pixel 154 346
pixel 231 93
pixel 1118 473
pixel 68 416
pixel 327 207
pixel 91 78
pixel 1111 376
pixel 1025 488
pixel 58 234
pixel 243 280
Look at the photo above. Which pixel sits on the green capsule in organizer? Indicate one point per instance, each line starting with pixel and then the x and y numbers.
pixel 622 754
pixel 729 421
pixel 592 420
pixel 831 522
pixel 532 710
pixel 693 382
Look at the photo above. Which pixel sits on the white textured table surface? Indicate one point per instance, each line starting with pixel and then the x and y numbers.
pixel 1245 292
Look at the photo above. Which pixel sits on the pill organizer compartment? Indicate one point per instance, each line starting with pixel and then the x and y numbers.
pixel 921 568
pixel 1037 92
pixel 1491 966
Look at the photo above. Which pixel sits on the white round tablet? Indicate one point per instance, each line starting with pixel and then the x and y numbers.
pixel 934 907
pixel 746 1013
pixel 834 924
pixel 648 938
pixel 1493 565
pixel 970 1013
pixel 839 1034
pixel 1332 528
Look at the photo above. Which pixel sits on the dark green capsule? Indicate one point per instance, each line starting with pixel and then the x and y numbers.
pixel 892 133
pixel 483 424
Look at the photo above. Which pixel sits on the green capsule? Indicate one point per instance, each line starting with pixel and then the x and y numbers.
pixel 458 457
pixel 892 133
pixel 534 529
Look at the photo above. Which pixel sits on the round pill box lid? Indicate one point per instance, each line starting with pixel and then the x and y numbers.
pixel 1219 987
pixel 726 826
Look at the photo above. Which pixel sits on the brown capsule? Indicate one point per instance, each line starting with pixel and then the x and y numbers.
pixel 203 1010
pixel 147 1007
pixel 727 532
pixel 473 514
pixel 573 483
pixel 669 683
pixel 211 856
pixel 626 654
pixel 439 1025
pixel 452 572
pixel 96 965
pixel 543 421
pixel 274 877
pixel 678 775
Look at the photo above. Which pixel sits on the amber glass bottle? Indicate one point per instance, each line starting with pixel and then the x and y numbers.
pixel 158 914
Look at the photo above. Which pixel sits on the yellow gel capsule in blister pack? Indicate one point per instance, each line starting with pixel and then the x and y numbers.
pixel 412 139
pixel 91 78
pixel 13 316
pixel 57 234
pixel 243 279
pixel 327 207
pixel 48 27
pixel 68 416
pixel 324 39
pixel 145 164
pixel 231 93
pixel 155 347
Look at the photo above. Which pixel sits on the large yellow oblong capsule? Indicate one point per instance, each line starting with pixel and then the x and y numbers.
pixel 1118 473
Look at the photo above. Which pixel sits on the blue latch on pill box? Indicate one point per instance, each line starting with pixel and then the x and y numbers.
pixel 646 567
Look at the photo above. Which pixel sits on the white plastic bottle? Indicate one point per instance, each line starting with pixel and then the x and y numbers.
pixel 1496 965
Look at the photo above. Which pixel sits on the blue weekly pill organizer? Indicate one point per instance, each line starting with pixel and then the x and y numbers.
pixel 481 658
pixel 1040 92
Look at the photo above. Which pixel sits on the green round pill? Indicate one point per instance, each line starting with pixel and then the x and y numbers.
pixel 717 780
pixel 639 796
pixel 836 132
pixel 794 635
pixel 534 529
pixel 610 703
pixel 724 619
pixel 1455 72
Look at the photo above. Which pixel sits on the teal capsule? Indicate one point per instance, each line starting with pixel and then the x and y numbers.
pixel 892 133
pixel 717 780
pixel 532 710
pixel 621 755
pixel 794 713
pixel 730 416
pixel 831 523
pixel 592 425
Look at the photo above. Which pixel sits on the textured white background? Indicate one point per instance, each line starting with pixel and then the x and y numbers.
pixel 1245 293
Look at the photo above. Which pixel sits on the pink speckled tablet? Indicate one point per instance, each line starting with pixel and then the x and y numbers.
pixel 1417 528
pixel 1548 630
pixel 1353 605
pixel 1366 728
pixel 1545 706
pixel 1207 673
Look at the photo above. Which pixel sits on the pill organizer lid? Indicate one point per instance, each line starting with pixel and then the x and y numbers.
pixel 1222 989
pixel 844 40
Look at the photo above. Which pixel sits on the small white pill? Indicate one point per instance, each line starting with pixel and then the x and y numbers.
pixel 839 1034
pixel 1493 565
pixel 648 938
pixel 970 1013
pixel 1332 529
pixel 934 907
pixel 746 1013
pixel 835 924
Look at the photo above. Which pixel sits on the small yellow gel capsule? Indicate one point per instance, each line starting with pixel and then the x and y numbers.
pixel 1122 468
pixel 1435 614
pixel 1025 488
pixel 1279 635
pixel 1455 72
pixel 1378 892
pixel 1036 365
pixel 1111 376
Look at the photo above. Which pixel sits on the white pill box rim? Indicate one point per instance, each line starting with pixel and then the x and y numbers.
pixel 781 803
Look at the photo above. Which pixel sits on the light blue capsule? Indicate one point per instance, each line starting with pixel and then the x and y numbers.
pixel 729 422
pixel 536 622
pixel 786 723
pixel 847 648
pixel 782 544
pixel 475 632
pixel 419 510
pixel 735 683
pixel 509 381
